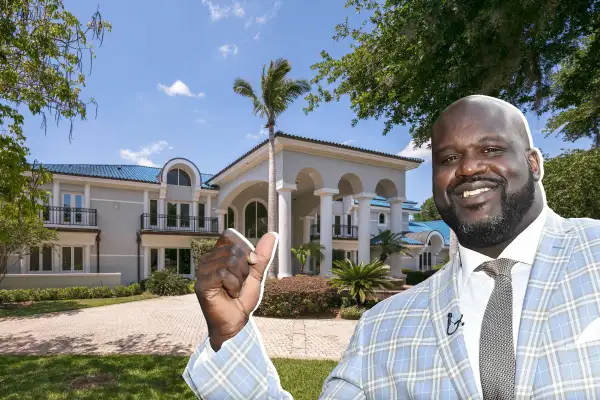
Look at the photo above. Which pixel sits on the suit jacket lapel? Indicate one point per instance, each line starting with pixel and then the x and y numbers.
pixel 443 300
pixel 552 257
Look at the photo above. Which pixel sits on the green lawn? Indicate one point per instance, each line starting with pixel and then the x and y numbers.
pixel 42 307
pixel 131 377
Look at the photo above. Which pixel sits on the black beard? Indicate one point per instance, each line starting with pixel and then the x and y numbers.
pixel 497 229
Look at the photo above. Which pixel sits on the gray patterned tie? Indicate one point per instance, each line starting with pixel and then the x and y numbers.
pixel 496 351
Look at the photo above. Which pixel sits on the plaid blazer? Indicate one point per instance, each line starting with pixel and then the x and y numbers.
pixel 401 350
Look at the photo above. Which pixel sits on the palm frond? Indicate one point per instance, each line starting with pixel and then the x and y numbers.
pixel 244 88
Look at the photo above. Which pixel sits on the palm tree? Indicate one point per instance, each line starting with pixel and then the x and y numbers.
pixel 360 279
pixel 389 243
pixel 308 250
pixel 278 92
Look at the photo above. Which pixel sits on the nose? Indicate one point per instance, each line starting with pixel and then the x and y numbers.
pixel 470 166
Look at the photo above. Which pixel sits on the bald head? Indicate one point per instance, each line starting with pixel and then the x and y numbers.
pixel 492 113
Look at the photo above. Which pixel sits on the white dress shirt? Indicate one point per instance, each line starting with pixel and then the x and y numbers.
pixel 475 288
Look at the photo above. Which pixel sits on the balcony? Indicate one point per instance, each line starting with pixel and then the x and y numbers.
pixel 68 216
pixel 349 232
pixel 178 223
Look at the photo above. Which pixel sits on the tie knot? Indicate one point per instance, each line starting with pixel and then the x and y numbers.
pixel 494 268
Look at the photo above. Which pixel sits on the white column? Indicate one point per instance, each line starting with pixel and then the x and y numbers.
pixel 326 228
pixel 307 222
pixel 24 263
pixel 161 259
pixel 87 258
pixel 161 219
pixel 285 228
pixel 208 208
pixel 364 226
pixel 146 202
pixel 396 226
pixel 56 201
pixel 221 220
pixel 146 270
pixel 195 221
pixel 56 258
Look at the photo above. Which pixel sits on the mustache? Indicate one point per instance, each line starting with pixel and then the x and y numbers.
pixel 474 179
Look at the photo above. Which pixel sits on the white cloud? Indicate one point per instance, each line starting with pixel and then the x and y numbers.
pixel 142 157
pixel 257 36
pixel 270 15
pixel 218 12
pixel 228 49
pixel 420 152
pixel 264 132
pixel 178 88
pixel 348 142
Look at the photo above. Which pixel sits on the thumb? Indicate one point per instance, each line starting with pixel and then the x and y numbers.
pixel 260 260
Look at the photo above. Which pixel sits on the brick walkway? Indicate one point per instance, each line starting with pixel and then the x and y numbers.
pixel 169 325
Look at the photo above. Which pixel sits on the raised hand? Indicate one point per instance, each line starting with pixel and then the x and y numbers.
pixel 229 283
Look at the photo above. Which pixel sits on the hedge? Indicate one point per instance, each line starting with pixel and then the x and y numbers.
pixel 416 277
pixel 297 295
pixel 70 293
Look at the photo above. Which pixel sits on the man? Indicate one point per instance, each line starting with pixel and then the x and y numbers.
pixel 515 315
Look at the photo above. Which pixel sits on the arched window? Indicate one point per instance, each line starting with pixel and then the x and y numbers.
pixel 178 177
pixel 381 219
pixel 230 219
pixel 255 220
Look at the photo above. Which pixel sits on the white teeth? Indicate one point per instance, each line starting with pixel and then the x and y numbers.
pixel 475 192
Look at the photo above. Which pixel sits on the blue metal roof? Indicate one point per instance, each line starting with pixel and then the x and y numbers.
pixel 411 241
pixel 136 173
pixel 438 225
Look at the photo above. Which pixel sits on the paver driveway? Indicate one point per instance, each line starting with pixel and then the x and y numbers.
pixel 167 325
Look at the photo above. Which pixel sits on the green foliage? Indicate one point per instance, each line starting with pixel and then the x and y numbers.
pixel 338 255
pixel 306 250
pixel 389 243
pixel 360 279
pixel 297 295
pixel 352 312
pixel 576 86
pixel 70 293
pixel 441 264
pixel 41 67
pixel 278 91
pixel 416 277
pixel 410 60
pixel 571 183
pixel 428 212
pixel 199 247
pixel 168 283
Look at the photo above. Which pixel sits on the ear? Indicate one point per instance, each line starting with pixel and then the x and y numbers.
pixel 534 159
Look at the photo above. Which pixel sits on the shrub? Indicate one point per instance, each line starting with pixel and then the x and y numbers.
pixel 167 283
pixel 202 246
pixel 101 292
pixel 135 288
pixel 143 283
pixel 352 312
pixel 77 293
pixel 297 295
pixel 6 296
pixel 405 271
pixel 122 291
pixel 360 279
pixel 416 277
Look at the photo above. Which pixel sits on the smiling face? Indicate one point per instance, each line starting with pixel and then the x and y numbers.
pixel 484 173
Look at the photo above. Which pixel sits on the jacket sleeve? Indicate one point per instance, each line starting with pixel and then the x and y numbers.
pixel 242 370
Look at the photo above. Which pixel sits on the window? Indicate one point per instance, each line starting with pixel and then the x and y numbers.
pixel 47 258
pixel 72 204
pixel 178 177
pixel 338 227
pixel 34 259
pixel 201 215
pixel 72 258
pixel 153 260
pixel 153 212
pixel 255 220
pixel 425 260
pixel 179 260
pixel 178 215
pixel 230 218
pixel 381 219
pixel 349 224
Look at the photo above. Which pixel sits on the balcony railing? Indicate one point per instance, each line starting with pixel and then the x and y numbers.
pixel 338 231
pixel 178 223
pixel 69 216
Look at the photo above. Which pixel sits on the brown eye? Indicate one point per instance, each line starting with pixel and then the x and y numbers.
pixel 449 159
pixel 491 150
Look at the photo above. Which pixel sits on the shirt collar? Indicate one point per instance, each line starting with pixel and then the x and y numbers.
pixel 520 249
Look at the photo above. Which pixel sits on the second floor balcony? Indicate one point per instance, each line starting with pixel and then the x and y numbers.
pixel 178 223
pixel 349 232
pixel 70 216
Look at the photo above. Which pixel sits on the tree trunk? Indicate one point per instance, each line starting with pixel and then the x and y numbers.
pixel 597 144
pixel 272 200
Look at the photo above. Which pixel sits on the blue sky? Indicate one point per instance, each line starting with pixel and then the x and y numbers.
pixel 163 82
